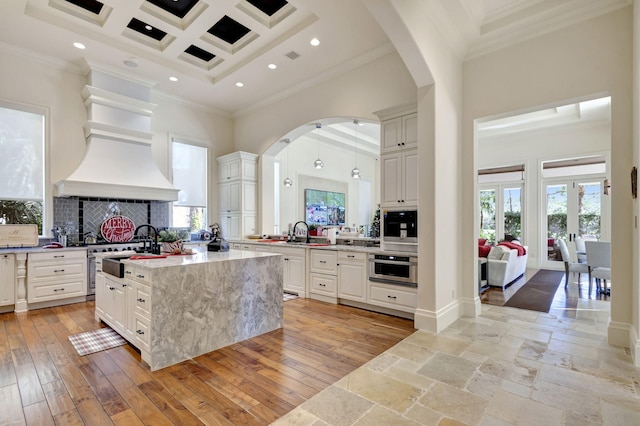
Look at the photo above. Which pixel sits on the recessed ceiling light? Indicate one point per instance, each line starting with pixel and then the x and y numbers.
pixel 172 78
pixel 272 66
pixel 78 45
pixel 148 27
pixel 239 84
pixel 314 42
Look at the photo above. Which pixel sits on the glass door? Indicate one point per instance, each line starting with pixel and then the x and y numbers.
pixel 573 208
pixel 501 212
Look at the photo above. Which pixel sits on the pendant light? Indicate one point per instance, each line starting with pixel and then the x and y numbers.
pixel 355 173
pixel 318 164
pixel 287 181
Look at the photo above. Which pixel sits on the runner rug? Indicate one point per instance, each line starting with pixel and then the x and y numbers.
pixel 96 341
pixel 537 293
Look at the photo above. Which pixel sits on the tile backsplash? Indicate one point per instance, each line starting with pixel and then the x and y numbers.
pixel 79 215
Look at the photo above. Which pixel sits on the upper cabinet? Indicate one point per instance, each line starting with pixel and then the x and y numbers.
pixel 399 157
pixel 399 133
pixel 237 194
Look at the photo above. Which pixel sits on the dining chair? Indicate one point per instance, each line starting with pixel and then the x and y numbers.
pixel 599 262
pixel 580 249
pixel 571 264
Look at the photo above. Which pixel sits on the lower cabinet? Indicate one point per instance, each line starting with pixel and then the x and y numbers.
pixel 125 305
pixel 56 275
pixel 323 280
pixel 7 279
pixel 352 276
pixel 393 296
pixel 294 269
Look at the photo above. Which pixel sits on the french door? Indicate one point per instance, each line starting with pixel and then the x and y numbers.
pixel 573 208
pixel 501 211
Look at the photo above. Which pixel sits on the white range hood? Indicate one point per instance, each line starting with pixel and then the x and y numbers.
pixel 118 162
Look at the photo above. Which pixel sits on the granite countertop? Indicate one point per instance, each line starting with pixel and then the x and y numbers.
pixel 196 258
pixel 334 247
pixel 38 249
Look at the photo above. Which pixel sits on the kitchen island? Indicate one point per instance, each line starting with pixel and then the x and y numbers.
pixel 179 307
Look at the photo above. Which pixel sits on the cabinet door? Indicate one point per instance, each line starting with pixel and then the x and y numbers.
pixel 249 198
pixel 100 293
pixel 229 170
pixel 230 226
pixel 114 305
pixel 391 133
pixel 248 225
pixel 410 178
pixel 391 180
pixel 296 274
pixel 410 131
pixel 352 283
pixel 7 279
pixel 130 303
pixel 229 197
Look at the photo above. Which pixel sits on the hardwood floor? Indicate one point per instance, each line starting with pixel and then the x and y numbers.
pixel 44 381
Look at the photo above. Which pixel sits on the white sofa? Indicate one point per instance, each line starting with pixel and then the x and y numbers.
pixel 504 266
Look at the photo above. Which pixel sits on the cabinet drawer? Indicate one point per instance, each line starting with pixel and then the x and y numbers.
pixel 38 271
pixel 142 332
pixel 58 255
pixel 143 300
pixel 57 290
pixel 137 274
pixel 394 297
pixel 351 256
pixel 324 261
pixel 324 284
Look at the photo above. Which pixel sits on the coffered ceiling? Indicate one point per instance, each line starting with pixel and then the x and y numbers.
pixel 210 45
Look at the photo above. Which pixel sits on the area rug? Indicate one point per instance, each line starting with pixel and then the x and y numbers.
pixel 537 293
pixel 96 341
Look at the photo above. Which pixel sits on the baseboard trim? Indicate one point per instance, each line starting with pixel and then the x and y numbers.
pixel 471 307
pixel 634 346
pixel 618 334
pixel 435 322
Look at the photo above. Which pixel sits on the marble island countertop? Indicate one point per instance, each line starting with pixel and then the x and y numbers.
pixel 198 257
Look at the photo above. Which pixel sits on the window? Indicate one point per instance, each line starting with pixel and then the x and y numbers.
pixel 189 165
pixel 22 173
pixel 501 193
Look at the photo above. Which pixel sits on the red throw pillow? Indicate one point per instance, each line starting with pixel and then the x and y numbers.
pixel 483 251
pixel 482 241
pixel 521 250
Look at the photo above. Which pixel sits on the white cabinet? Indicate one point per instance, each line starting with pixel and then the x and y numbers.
pixel 7 279
pixel 394 297
pixel 323 280
pixel 399 133
pixel 399 176
pixel 294 269
pixel 56 275
pixel 237 194
pixel 352 276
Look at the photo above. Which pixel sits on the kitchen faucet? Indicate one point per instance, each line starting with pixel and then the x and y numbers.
pixel 154 248
pixel 294 230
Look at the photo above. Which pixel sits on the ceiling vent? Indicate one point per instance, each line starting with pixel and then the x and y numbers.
pixel 292 55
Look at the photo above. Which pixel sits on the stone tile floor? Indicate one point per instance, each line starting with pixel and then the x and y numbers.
pixel 506 367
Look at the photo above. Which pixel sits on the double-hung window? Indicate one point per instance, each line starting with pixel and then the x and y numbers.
pixel 189 165
pixel 22 159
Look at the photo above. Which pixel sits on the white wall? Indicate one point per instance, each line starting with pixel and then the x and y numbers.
pixel 38 81
pixel 338 163
pixel 583 60
pixel 529 148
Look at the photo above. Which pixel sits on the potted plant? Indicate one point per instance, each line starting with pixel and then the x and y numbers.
pixel 313 229
pixel 171 240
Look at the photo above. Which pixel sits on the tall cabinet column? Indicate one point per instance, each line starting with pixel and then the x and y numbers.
pixel 237 192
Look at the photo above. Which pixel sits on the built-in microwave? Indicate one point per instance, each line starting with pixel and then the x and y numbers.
pixel 400 226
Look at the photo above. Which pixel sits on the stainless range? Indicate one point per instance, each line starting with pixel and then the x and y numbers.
pixel 116 248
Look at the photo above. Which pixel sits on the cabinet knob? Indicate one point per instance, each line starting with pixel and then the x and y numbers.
pixel 111 288
pixel 139 276
pixel 322 285
pixel 139 331
pixel 141 300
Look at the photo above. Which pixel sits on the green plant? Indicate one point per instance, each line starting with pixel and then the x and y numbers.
pixel 171 235
pixel 313 227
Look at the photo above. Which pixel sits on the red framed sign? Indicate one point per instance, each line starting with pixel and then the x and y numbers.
pixel 117 229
